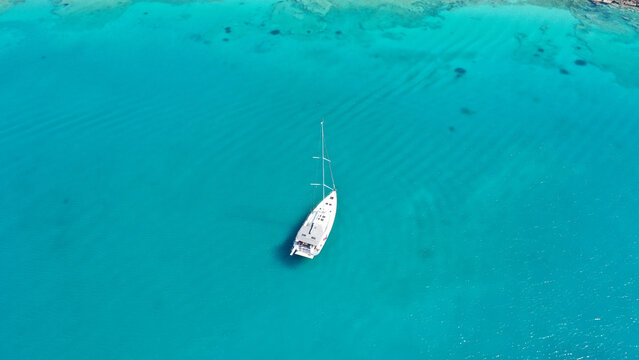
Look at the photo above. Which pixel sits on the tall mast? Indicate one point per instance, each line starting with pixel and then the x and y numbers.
pixel 324 159
pixel 323 182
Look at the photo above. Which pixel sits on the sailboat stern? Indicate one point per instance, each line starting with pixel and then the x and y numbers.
pixel 302 249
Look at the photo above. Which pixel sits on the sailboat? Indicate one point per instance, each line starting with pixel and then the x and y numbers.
pixel 314 232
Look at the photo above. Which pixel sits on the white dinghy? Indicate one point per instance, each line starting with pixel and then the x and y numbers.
pixel 314 232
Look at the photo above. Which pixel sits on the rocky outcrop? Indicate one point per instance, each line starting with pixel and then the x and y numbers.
pixel 632 3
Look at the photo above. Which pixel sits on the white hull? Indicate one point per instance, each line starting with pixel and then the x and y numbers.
pixel 314 232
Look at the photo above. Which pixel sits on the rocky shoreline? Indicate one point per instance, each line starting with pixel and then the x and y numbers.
pixel 629 3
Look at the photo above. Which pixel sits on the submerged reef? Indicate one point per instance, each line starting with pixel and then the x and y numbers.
pixel 355 20
pixel 632 3
pixel 7 4
pixel 302 16
pixel 460 72
pixel 398 12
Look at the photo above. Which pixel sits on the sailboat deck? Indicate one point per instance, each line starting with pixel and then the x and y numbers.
pixel 319 222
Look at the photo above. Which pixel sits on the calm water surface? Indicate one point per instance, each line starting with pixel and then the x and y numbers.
pixel 155 161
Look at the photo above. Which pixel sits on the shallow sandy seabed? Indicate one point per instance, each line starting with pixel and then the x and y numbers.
pixel 7 4
pixel 73 7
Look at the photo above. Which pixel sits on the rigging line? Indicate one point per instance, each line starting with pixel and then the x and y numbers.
pixel 330 169
pixel 316 174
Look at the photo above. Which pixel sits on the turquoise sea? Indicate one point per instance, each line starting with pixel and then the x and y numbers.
pixel 155 158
